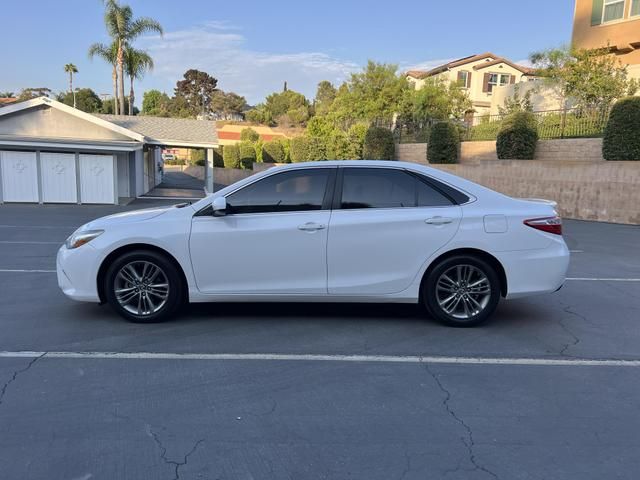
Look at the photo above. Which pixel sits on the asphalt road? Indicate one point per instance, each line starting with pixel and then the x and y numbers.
pixel 515 399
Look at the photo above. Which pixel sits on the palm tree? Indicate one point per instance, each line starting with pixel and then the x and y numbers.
pixel 109 53
pixel 70 68
pixel 123 29
pixel 136 64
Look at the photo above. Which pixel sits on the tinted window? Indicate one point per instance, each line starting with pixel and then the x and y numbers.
pixel 457 196
pixel 387 188
pixel 283 192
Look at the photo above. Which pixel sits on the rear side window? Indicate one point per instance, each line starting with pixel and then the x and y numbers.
pixel 299 190
pixel 387 188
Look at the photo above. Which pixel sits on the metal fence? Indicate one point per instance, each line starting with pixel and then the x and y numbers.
pixel 552 124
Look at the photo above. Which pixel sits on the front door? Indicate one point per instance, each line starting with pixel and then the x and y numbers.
pixel 389 222
pixel 273 239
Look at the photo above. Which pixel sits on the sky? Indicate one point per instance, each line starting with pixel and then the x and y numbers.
pixel 252 47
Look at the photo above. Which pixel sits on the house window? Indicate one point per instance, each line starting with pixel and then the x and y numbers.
pixel 613 10
pixel 498 80
pixel 464 79
pixel 635 8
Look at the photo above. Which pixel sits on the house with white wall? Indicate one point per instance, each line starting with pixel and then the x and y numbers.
pixel 479 75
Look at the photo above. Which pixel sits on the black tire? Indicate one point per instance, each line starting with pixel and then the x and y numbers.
pixel 460 316
pixel 165 309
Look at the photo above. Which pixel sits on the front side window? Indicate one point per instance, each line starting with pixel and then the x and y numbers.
pixel 293 191
pixel 387 188
pixel 613 10
pixel 498 79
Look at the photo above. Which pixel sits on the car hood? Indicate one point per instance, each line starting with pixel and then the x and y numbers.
pixel 126 217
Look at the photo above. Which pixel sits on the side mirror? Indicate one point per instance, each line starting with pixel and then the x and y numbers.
pixel 219 205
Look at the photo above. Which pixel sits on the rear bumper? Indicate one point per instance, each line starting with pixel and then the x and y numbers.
pixel 535 272
pixel 77 273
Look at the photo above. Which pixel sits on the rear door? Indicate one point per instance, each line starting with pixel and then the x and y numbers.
pixel 387 222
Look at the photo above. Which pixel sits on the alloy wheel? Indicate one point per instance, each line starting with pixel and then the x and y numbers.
pixel 463 291
pixel 141 288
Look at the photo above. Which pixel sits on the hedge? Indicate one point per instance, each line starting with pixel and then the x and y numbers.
pixel 622 133
pixel 378 144
pixel 444 141
pixel 518 137
pixel 249 135
pixel 273 152
pixel 299 149
pixel 231 156
pixel 247 155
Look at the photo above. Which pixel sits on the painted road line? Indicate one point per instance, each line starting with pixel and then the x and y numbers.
pixel 29 242
pixel 9 270
pixel 585 279
pixel 543 362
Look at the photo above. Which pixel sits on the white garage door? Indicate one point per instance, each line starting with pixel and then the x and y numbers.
pixel 96 179
pixel 19 176
pixel 58 172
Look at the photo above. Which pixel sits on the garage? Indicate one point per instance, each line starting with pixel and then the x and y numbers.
pixel 53 153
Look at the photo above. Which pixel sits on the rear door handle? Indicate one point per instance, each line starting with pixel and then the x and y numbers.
pixel 438 220
pixel 311 227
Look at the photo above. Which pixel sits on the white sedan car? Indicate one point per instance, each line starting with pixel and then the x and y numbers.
pixel 347 231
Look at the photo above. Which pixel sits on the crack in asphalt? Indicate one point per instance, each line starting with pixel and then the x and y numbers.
pixel 163 452
pixel 407 467
pixel 16 374
pixel 563 325
pixel 470 442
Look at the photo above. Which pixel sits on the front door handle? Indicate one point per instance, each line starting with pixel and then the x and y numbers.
pixel 311 227
pixel 438 221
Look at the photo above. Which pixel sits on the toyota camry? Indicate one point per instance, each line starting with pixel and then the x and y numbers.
pixel 345 231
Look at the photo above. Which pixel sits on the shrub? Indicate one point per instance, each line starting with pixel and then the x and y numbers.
pixel 231 156
pixel 355 136
pixel 249 135
pixel 299 149
pixel 218 161
pixel 378 144
pixel 247 155
pixel 317 149
pixel 622 134
pixel 518 137
pixel 273 152
pixel 444 140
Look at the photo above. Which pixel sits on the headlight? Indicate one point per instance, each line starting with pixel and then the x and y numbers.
pixel 79 238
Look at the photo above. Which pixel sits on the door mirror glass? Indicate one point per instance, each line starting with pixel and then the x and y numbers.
pixel 219 205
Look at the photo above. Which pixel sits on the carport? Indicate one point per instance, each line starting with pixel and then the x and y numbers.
pixel 53 153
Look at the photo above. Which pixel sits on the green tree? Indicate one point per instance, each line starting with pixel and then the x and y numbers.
pixel 108 53
pixel 33 92
pixel 86 100
pixel 123 29
pixel 227 105
pixel 517 102
pixel 378 144
pixel 373 95
pixel 288 108
pixel 437 100
pixel 70 68
pixel 155 103
pixel 197 89
pixel 137 63
pixel 325 95
pixel 299 149
pixel 593 78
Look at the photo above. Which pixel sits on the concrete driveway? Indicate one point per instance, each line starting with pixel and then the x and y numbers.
pixel 547 390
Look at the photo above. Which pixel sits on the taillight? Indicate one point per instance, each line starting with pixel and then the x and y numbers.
pixel 547 224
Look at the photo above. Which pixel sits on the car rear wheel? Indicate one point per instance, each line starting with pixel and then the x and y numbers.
pixel 462 291
pixel 143 286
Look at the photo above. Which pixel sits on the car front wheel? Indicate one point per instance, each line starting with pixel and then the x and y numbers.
pixel 462 291
pixel 143 286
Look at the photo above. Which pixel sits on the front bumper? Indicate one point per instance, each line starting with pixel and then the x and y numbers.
pixel 77 271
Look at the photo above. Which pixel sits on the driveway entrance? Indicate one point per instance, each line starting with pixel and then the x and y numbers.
pixel 177 184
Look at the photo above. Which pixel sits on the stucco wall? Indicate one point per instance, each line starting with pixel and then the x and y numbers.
pixel 571 172
pixel 47 122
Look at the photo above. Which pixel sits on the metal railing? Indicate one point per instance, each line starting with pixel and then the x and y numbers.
pixel 552 124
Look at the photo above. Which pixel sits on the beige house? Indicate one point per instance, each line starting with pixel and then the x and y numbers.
pixel 610 23
pixel 480 75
